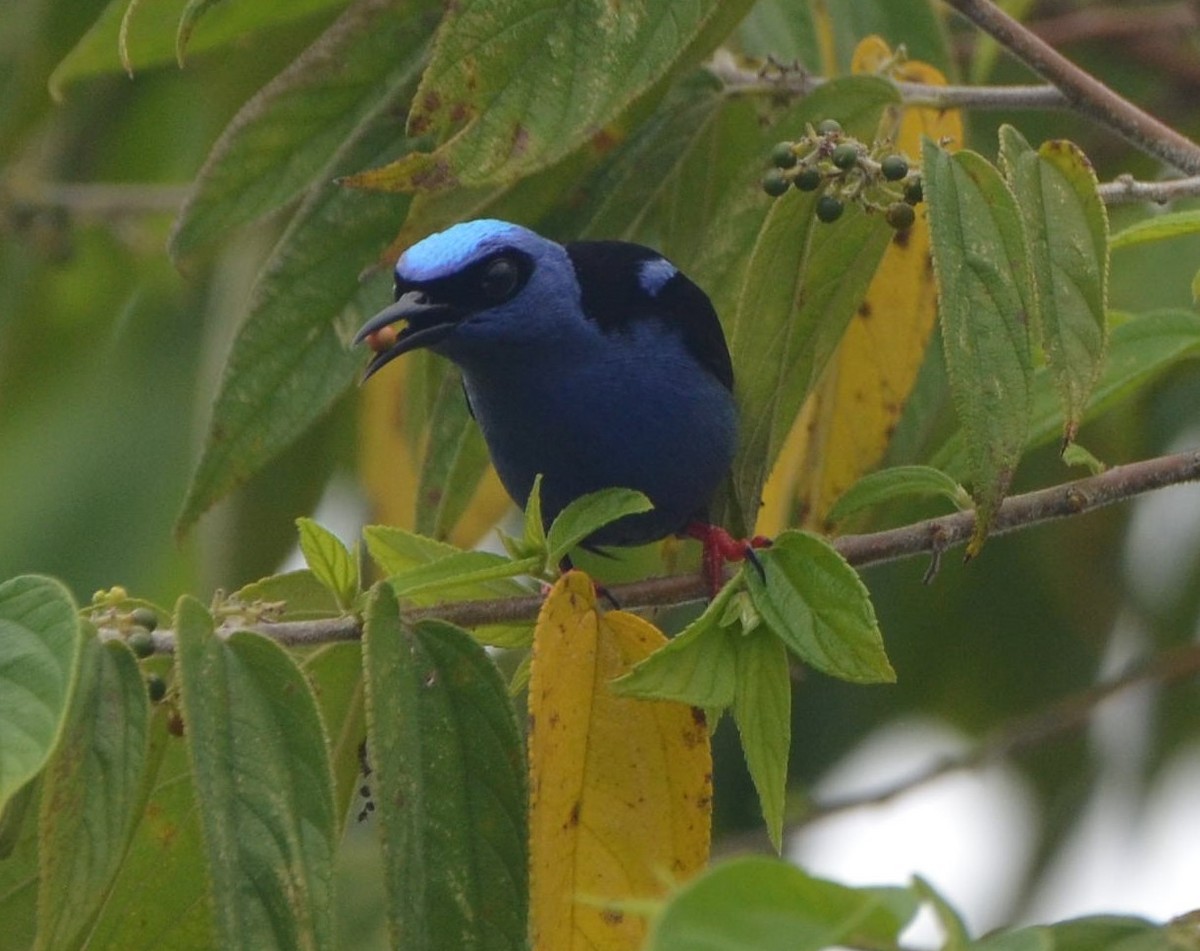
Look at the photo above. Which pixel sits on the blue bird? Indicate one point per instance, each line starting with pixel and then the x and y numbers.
pixel 596 363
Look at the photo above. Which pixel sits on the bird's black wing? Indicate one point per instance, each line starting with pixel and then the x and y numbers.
pixel 615 293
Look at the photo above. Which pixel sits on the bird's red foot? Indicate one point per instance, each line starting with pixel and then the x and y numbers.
pixel 721 547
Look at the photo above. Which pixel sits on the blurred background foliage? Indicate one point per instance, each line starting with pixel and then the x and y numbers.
pixel 110 357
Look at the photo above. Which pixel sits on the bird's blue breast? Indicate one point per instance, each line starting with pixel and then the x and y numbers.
pixel 634 410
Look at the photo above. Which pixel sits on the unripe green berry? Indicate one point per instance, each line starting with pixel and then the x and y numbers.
pixel 914 193
pixel 829 208
pixel 783 156
pixel 774 183
pixel 809 179
pixel 900 215
pixel 845 156
pixel 894 167
pixel 144 617
pixel 829 127
pixel 141 642
pixel 156 687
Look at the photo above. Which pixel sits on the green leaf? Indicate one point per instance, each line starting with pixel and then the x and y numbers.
pixel 455 460
pixel 329 560
pixel 92 793
pixel 898 482
pixel 280 142
pixel 1140 349
pixel 499 120
pixel 1067 228
pixel 533 538
pixel 819 607
pixel 399 552
pixel 449 782
pixel 166 858
pixel 290 361
pixel 460 570
pixel 802 284
pixel 762 710
pixel 698 666
pixel 152 34
pixel 1174 224
pixel 762 904
pixel 263 784
pixel 986 302
pixel 40 644
pixel 584 515
pixel 19 866
pixel 1110 932
pixel 953 930
pixel 335 672
pixel 294 595
pixel 191 16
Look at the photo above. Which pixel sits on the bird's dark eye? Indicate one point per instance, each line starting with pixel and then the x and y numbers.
pixel 499 279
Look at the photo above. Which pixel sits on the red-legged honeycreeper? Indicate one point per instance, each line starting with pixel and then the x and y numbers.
pixel 596 363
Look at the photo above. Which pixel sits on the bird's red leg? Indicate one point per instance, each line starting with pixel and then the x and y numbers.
pixel 720 547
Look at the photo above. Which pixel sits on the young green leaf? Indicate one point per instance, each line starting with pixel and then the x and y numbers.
pixel 330 561
pixel 1067 228
pixel 762 710
pixel 584 515
pixel 264 790
pixel 698 666
pixel 92 794
pixel 463 569
pixel 40 643
pixel 898 482
pixel 954 931
pixel 762 904
pixel 987 302
pixel 533 537
pixel 449 783
pixel 1175 224
pixel 298 595
pixel 818 606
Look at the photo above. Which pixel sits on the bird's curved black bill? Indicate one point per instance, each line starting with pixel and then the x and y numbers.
pixel 428 322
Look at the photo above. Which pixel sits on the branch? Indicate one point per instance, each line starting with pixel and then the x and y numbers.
pixel 933 536
pixel 1083 91
pixel 1070 713
pixel 98 198
pixel 1125 189
pixel 801 83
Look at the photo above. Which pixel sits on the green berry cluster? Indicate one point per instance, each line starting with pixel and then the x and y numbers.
pixel 875 176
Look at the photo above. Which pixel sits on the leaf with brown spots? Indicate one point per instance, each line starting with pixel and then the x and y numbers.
pixel 514 87
pixel 620 789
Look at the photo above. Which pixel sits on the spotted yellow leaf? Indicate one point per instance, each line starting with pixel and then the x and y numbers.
pixel 846 424
pixel 620 789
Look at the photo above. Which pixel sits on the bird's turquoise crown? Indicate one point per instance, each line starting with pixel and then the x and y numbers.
pixel 446 252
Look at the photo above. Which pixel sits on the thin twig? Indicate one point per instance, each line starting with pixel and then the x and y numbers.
pixel 1083 91
pixel 935 535
pixel 801 83
pixel 1065 715
pixel 1125 189
pixel 97 198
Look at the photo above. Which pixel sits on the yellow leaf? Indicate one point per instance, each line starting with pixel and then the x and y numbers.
pixel 389 464
pixel 620 789
pixel 845 426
